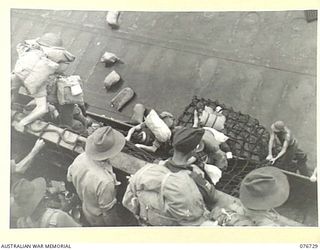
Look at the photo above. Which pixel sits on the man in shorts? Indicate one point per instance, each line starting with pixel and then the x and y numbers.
pixel 44 47
pixel 289 150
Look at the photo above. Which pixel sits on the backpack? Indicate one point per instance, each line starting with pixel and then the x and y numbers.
pixel 161 198
pixel 70 90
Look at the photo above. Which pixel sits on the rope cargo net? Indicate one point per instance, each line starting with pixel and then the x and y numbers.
pixel 248 141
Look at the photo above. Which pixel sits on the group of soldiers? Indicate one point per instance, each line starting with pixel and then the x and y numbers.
pixel 176 191
pixel 169 193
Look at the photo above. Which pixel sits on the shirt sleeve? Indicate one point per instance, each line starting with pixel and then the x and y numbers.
pixel 106 195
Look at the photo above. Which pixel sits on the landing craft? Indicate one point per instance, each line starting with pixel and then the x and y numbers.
pixel 64 145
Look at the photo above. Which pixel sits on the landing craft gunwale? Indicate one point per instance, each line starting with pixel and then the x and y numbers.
pixel 227 199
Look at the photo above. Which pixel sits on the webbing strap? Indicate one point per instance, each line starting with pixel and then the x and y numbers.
pixel 134 190
pixel 214 122
pixel 207 118
pixel 165 178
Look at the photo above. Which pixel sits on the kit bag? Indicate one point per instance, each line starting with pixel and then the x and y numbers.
pixel 122 98
pixel 138 113
pixel 159 197
pixel 70 90
pixel 157 126
pixel 112 79
pixel 212 120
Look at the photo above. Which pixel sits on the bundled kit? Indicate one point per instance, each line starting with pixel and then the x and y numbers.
pixel 157 126
pixel 33 68
pixel 112 79
pixel 69 90
pixel 122 98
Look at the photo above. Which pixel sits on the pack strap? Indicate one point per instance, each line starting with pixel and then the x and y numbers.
pixel 209 122
pixel 215 119
pixel 134 190
pixel 163 182
pixel 207 118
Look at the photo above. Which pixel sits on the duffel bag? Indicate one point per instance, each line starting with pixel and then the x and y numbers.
pixel 157 126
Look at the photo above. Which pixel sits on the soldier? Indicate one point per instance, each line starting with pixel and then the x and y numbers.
pixel 289 149
pixel 38 59
pixel 18 169
pixel 174 193
pixel 147 139
pixel 183 141
pixel 214 151
pixel 29 206
pixel 92 175
pixel 261 191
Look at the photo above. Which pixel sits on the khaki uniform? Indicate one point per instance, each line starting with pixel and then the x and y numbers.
pixel 50 218
pixel 293 153
pixel 95 186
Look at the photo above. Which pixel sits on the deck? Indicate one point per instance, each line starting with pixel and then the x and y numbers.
pixel 260 63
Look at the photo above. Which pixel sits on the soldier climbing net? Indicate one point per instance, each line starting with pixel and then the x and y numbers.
pixel 248 141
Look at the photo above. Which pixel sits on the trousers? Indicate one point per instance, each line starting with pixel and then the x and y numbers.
pixel 294 159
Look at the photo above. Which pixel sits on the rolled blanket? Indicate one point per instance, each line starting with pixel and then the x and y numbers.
pixel 58 54
pixel 157 126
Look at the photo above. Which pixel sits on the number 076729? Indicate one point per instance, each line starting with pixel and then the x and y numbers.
pixel 308 246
